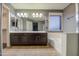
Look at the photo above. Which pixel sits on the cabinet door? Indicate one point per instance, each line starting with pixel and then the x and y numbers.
pixel 44 38
pixel 14 39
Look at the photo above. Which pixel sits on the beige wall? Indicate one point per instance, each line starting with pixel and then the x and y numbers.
pixel 70 19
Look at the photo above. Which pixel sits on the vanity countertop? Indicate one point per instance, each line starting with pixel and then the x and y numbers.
pixel 28 32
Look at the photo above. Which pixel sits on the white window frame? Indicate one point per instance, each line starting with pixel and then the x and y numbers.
pixel 54 13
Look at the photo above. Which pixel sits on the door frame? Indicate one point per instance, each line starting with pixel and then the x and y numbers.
pixel 8 41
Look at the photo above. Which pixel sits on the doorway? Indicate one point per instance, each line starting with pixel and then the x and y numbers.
pixel 35 26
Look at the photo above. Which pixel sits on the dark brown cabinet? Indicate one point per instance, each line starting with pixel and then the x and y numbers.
pixel 28 38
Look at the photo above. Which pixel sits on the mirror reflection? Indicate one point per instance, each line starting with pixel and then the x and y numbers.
pixel 23 23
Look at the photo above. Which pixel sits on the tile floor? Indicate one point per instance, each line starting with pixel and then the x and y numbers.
pixel 29 51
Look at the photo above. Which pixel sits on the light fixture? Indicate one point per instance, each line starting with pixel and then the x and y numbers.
pixel 36 14
pixel 18 14
pixel 33 14
pixel 21 14
pixel 40 15
pixel 25 15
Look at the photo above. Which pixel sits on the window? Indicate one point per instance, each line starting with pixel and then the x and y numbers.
pixel 55 23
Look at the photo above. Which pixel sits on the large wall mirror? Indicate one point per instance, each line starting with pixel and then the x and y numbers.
pixel 27 23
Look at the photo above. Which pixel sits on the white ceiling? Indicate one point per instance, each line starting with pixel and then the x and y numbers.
pixel 58 6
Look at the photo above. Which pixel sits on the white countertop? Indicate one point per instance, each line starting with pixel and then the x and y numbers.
pixel 28 32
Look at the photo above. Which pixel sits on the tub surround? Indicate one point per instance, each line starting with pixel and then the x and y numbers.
pixel 58 41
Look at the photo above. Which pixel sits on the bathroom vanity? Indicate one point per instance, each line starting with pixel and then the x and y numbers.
pixel 28 38
pixel 27 32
